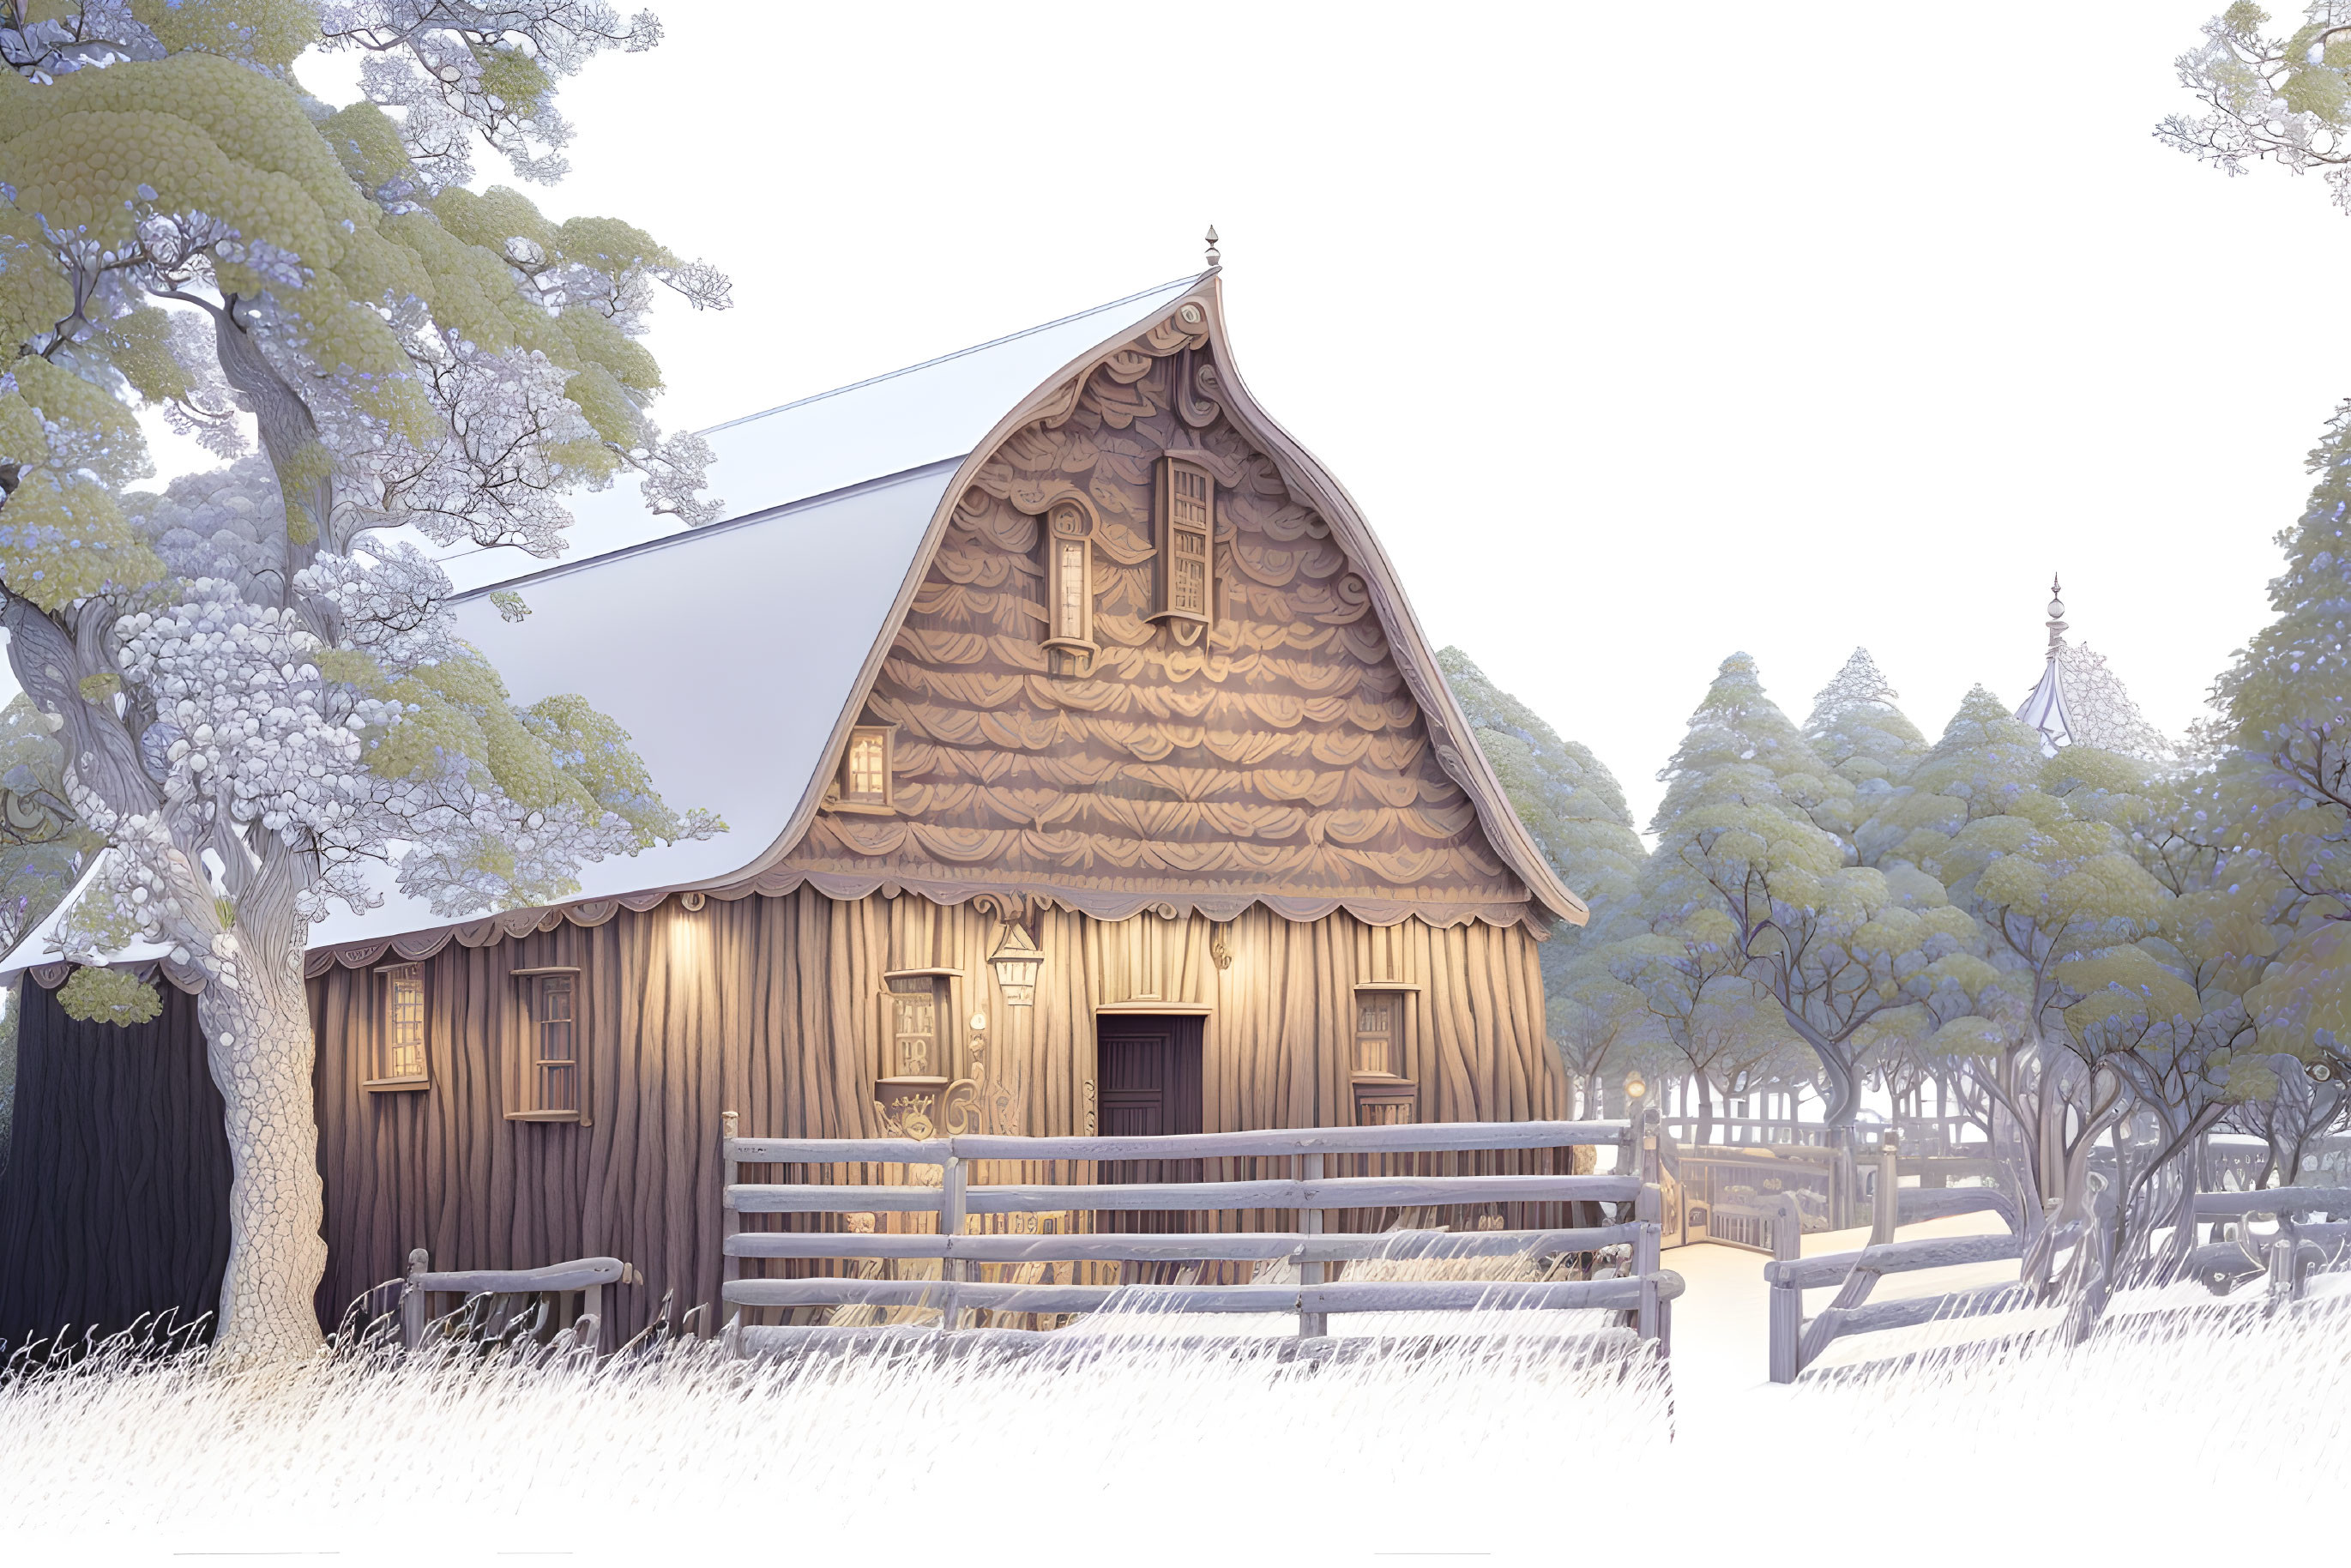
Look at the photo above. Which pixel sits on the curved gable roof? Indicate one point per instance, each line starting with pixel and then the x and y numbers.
pixel 739 655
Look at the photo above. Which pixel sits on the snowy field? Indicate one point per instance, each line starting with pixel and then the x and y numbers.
pixel 2170 1441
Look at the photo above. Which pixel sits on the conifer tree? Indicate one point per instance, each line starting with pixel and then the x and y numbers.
pixel 1575 810
pixel 1858 731
pixel 1751 863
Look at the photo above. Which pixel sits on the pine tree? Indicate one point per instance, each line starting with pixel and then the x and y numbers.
pixel 1858 731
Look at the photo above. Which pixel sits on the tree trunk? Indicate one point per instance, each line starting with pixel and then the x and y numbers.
pixel 258 1042
pixel 1704 1108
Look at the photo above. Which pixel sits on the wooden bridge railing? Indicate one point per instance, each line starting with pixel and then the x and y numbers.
pixel 1644 1294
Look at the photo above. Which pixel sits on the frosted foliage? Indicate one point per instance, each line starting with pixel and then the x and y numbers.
pixel 1857 729
pixel 394 608
pixel 456 69
pixel 227 524
pixel 2279 100
pixel 208 411
pixel 493 473
pixel 44 47
pixel 2100 713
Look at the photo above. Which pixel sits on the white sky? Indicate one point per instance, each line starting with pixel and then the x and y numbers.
pixel 1641 338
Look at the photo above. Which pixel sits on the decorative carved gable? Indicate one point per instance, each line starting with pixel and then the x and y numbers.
pixel 1274 754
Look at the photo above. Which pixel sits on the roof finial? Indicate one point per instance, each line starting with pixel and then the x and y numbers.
pixel 2056 616
pixel 1213 259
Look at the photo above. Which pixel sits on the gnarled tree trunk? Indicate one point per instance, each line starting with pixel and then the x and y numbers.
pixel 258 1042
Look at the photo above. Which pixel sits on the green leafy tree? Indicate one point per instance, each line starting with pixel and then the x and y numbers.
pixel 257 685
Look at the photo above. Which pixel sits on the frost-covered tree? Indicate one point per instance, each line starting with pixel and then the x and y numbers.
pixel 1567 798
pixel 1750 861
pixel 258 691
pixel 1858 731
pixel 2283 98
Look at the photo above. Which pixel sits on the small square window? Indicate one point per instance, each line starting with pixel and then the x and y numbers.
pixel 865 767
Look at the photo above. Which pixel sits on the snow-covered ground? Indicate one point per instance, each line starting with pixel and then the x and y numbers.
pixel 2166 1443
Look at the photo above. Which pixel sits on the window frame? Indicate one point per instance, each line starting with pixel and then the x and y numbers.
pixel 940 983
pixel 839 798
pixel 1203 530
pixel 381 1079
pixel 526 1077
pixel 1069 522
pixel 1379 1096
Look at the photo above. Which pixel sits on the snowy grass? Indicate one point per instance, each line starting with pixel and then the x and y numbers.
pixel 2173 1437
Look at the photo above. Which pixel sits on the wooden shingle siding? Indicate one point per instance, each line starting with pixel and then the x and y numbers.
pixel 1279 757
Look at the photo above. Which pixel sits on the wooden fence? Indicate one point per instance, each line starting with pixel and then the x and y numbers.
pixel 554 1287
pixel 1796 1341
pixel 1100 1226
pixel 2301 1247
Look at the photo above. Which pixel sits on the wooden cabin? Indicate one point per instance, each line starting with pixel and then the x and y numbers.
pixel 1085 770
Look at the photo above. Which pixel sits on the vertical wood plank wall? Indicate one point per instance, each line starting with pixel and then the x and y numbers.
pixel 769 1005
pixel 115 1199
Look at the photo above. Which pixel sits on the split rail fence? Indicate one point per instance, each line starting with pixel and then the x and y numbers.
pixel 1061 1237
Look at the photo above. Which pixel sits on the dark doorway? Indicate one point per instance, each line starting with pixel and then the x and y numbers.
pixel 1147 1067
pixel 1148 1082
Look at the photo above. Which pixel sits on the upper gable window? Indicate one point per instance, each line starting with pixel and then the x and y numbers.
pixel 1188 525
pixel 1070 645
pixel 864 782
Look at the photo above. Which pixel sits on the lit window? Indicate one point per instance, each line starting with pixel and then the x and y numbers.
pixel 398 1061
pixel 865 767
pixel 1187 524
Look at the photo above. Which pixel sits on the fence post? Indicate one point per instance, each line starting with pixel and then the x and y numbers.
pixel 1885 1212
pixel 1647 1240
pixel 2281 1277
pixel 1787 1323
pixel 411 1300
pixel 951 1177
pixel 729 1222
pixel 1311 1325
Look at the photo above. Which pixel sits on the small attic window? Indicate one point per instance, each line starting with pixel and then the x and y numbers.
pixel 1070 645
pixel 1188 525
pixel 864 778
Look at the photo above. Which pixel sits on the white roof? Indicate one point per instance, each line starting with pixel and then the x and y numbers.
pixel 827 499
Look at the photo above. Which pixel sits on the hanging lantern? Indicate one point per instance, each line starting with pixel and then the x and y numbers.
pixel 1016 962
pixel 1635 1085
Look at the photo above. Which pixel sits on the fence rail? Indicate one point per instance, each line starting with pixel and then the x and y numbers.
pixel 586 1277
pixel 1644 1293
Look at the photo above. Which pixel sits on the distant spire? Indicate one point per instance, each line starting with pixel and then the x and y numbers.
pixel 2057 616
pixel 1213 259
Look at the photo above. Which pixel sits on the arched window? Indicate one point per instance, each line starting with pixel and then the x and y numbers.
pixel 1069 590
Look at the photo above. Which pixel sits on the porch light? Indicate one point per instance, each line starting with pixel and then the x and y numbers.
pixel 1016 962
pixel 1635 1085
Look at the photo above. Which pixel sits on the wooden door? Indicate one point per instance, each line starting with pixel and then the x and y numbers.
pixel 1148 1077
